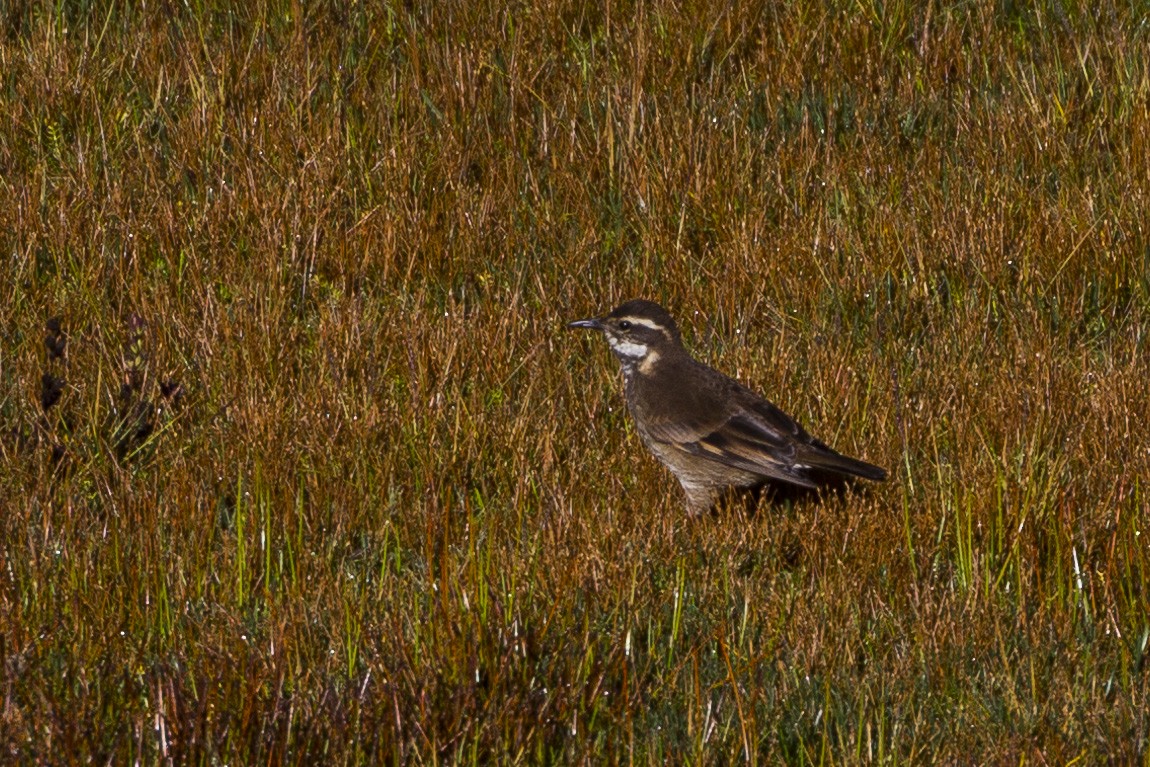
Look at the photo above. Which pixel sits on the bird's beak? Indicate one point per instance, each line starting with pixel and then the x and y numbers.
pixel 591 324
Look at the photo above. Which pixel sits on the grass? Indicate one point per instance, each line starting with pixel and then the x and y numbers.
pixel 297 463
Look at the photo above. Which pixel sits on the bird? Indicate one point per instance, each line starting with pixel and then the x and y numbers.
pixel 714 434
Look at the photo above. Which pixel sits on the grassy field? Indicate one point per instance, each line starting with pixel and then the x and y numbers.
pixel 298 464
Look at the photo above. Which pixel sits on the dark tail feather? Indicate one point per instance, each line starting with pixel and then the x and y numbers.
pixel 823 458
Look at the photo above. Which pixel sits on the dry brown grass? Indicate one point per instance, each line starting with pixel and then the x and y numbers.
pixel 311 471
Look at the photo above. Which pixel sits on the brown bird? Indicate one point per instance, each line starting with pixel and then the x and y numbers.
pixel 712 432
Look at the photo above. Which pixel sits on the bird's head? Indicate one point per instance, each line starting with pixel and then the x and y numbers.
pixel 639 332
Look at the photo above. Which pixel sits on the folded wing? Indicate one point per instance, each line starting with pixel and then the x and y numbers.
pixel 762 439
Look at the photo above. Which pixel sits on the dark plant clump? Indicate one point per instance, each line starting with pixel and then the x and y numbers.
pixel 51 387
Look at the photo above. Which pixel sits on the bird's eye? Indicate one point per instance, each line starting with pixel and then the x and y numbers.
pixel 624 325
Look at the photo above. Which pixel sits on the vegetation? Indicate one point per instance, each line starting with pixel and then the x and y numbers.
pixel 298 464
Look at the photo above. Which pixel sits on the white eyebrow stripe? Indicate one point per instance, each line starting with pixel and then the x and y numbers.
pixel 644 322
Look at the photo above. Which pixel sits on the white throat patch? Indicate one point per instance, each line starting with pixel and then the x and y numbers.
pixel 628 349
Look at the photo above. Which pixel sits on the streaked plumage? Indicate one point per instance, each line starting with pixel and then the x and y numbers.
pixel 712 432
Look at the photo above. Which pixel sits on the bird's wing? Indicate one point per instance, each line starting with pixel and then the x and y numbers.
pixel 743 440
pixel 733 426
pixel 806 451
